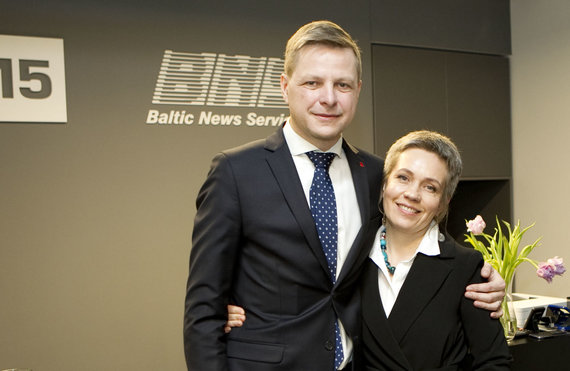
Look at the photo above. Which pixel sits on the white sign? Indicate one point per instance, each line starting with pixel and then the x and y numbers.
pixel 32 79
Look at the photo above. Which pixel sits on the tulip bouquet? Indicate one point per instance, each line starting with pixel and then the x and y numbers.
pixel 502 252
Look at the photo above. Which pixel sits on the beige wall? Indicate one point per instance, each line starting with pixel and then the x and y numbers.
pixel 540 78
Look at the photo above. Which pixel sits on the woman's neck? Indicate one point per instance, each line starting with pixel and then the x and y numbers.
pixel 401 245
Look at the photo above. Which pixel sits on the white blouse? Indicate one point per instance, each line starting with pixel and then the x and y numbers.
pixel 389 288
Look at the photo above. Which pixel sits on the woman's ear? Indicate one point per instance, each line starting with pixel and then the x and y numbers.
pixel 380 202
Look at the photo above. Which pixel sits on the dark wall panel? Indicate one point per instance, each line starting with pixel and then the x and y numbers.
pixel 488 198
pixel 409 92
pixel 463 95
pixel 479 113
pixel 481 26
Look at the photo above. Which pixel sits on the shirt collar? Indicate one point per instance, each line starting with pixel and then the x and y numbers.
pixel 298 145
pixel 430 243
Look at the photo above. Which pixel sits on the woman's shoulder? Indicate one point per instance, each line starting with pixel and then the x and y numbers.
pixel 460 252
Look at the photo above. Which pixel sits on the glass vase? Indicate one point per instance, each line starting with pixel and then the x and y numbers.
pixel 509 319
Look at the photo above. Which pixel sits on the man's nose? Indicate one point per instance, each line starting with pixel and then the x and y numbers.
pixel 328 94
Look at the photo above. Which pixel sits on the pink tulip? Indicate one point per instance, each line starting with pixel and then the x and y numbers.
pixel 557 265
pixel 476 226
pixel 545 271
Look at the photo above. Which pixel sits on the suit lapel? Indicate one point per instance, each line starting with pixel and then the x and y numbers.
pixel 423 281
pixel 357 254
pixel 375 317
pixel 360 180
pixel 285 172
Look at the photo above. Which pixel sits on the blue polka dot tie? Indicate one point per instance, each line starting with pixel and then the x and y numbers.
pixel 323 208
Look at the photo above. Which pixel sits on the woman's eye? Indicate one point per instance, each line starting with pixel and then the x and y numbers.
pixel 431 188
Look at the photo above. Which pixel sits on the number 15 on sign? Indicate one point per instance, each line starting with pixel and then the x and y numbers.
pixel 32 80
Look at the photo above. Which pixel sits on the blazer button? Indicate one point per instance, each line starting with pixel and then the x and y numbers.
pixel 329 345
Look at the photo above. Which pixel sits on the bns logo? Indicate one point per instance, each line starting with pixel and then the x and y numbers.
pixel 219 80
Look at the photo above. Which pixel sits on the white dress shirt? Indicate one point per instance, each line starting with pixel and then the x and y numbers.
pixel 348 212
pixel 390 287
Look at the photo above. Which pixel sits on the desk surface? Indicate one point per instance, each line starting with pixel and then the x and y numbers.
pixel 532 354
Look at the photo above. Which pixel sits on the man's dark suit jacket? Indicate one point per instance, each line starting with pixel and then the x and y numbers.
pixel 255 244
pixel 432 325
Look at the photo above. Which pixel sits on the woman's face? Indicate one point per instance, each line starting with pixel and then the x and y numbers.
pixel 413 191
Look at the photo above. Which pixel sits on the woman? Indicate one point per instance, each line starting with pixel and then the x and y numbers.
pixel 415 316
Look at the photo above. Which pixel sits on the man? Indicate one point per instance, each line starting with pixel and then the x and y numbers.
pixel 258 238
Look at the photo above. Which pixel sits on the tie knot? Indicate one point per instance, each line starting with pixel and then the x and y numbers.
pixel 321 159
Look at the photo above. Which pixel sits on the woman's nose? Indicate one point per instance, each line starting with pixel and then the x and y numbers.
pixel 412 194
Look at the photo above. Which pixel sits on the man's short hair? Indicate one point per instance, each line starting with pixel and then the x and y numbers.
pixel 320 32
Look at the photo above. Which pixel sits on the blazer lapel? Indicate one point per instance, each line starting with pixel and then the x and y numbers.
pixel 285 172
pixel 423 281
pixel 375 317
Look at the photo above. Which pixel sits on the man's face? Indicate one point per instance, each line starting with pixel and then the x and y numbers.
pixel 322 93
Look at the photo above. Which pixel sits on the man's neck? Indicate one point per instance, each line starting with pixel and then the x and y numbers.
pixel 323 145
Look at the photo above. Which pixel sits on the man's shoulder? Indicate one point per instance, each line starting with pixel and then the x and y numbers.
pixel 372 164
pixel 245 148
pixel 372 157
pixel 362 153
pixel 271 142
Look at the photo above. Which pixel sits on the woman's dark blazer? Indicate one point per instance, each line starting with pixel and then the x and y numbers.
pixel 432 325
